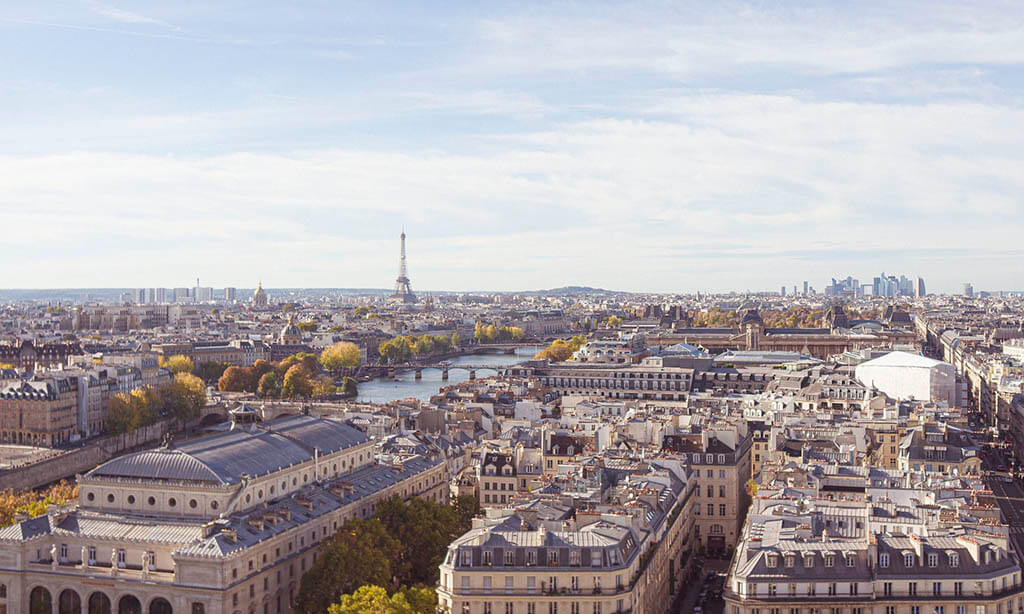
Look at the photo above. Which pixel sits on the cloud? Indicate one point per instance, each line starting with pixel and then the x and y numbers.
pixel 124 16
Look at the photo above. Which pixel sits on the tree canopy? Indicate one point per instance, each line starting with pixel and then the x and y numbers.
pixel 561 349
pixel 178 363
pixel 489 333
pixel 402 545
pixel 341 355
pixel 373 599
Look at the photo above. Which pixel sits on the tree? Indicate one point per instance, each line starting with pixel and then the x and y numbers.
pixel 324 387
pixel 562 349
pixel 307 326
pixel 359 553
pixel 178 364
pixel 296 383
pixel 259 369
pixel 236 379
pixel 455 341
pixel 185 397
pixel 613 321
pixel 342 355
pixel 752 487
pixel 35 502
pixel 349 387
pixel 212 370
pixel 373 599
pixel 119 414
pixel 269 385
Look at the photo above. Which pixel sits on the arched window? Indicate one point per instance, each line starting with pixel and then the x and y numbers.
pixel 160 606
pixel 40 601
pixel 129 604
pixel 68 602
pixel 99 603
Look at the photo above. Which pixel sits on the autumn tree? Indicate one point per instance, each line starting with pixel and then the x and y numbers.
pixel 236 379
pixel 296 383
pixel 341 355
pixel 562 349
pixel 323 387
pixel 307 326
pixel 184 398
pixel 178 364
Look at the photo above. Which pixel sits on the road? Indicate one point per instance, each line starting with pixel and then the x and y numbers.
pixel 1009 497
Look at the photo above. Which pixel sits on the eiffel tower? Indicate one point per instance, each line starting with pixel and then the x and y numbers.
pixel 402 289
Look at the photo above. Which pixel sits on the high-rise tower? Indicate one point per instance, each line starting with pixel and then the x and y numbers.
pixel 402 289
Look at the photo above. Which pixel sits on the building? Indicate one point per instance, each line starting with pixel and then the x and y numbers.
pixel 623 552
pixel 903 375
pixel 814 556
pixel 719 458
pixel 259 297
pixel 42 411
pixel 28 355
pixel 222 524
pixel 229 294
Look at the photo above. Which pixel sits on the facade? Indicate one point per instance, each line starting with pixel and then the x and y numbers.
pixel 813 557
pixel 645 381
pixel 40 411
pixel 28 355
pixel 585 558
pixel 222 524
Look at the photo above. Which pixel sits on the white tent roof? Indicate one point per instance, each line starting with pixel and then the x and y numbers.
pixel 902 359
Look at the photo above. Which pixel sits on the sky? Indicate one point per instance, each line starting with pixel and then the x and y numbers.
pixel 641 146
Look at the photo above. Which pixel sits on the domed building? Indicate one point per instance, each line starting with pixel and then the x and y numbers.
pixel 259 297
pixel 290 334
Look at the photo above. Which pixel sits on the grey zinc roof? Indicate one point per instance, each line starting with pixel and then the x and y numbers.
pixel 224 457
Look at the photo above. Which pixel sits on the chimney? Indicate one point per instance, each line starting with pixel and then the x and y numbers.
pixel 230 534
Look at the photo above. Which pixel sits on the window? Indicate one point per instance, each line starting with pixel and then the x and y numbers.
pixel 954 559
pixel 721 509
pixel 790 560
pixel 853 588
pixel 883 560
pixel 711 509
pixel 772 561
pixel 908 559
pixel 830 560
pixel 933 559
pixel 831 588
pixel 467 558
pixel 912 589
pixel 92 555
pixel 812 590
pixel 595 557
pixel 552 557
pixel 887 589
pixel 771 590
pixel 792 590
pixel 488 557
pixel 958 590
pixel 809 561
pixel 120 559
pixel 936 588
pixel 721 491
pixel 510 557
pixel 851 560
pixel 711 491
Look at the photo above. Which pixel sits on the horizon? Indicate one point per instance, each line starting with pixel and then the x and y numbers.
pixel 663 149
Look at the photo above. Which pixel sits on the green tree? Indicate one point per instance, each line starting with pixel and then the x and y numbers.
pixel 307 326
pixel 211 371
pixel 455 341
pixel 269 385
pixel 349 387
pixel 178 364
pixel 360 553
pixel 324 387
pixel 342 355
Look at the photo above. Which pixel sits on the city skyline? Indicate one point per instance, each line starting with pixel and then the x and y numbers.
pixel 707 147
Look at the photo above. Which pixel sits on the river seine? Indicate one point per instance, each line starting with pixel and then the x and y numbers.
pixel 406 385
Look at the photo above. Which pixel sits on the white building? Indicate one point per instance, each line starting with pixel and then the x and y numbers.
pixel 903 375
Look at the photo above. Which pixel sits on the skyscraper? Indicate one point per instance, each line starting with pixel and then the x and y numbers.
pixel 402 289
pixel 919 290
pixel 968 290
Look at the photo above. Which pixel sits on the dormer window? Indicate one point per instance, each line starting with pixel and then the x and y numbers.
pixel 574 557
pixel 696 458
pixel 531 557
pixel 467 558
pixel 851 560
pixel 790 560
pixel 883 560
pixel 772 561
pixel 908 559
pixel 488 557
pixel 954 559
pixel 510 557
pixel 709 458
pixel 933 559
pixel 552 557
pixel 809 561
pixel 830 560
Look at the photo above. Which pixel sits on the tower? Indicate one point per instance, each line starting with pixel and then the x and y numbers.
pixel 402 289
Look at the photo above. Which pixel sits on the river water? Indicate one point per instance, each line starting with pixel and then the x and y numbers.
pixel 406 385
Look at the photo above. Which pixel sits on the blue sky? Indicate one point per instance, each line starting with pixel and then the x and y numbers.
pixel 637 146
